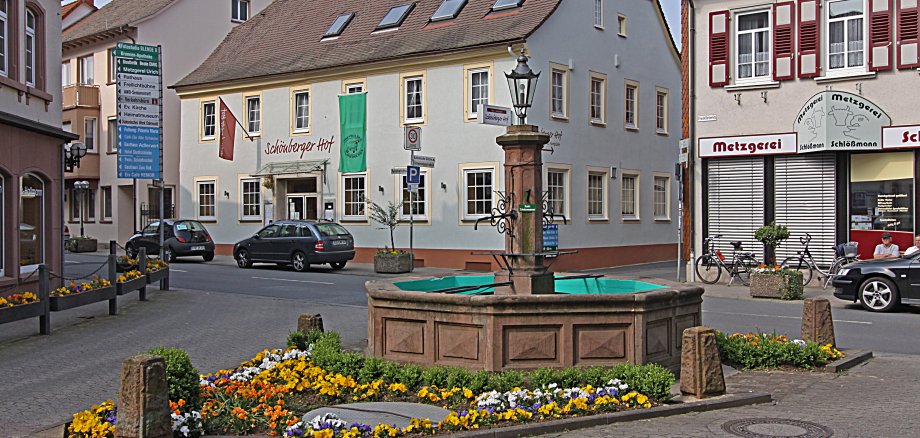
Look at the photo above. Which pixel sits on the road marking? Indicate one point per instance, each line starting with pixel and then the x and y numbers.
pixel 72 262
pixel 843 321
pixel 294 281
pixel 177 270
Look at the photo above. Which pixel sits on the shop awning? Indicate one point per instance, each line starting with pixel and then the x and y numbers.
pixel 291 167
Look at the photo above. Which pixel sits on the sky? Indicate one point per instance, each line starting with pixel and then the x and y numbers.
pixel 671 12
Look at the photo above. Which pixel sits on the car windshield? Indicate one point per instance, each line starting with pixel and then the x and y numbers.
pixel 192 226
pixel 331 230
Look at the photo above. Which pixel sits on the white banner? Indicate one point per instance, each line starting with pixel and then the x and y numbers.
pixel 748 145
pixel 897 137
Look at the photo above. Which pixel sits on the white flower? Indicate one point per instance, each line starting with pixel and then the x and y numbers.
pixel 800 343
pixel 184 430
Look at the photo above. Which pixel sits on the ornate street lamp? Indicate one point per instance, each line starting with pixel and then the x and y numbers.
pixel 523 84
pixel 73 152
pixel 82 187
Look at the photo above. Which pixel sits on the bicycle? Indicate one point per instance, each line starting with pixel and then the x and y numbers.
pixel 709 266
pixel 805 263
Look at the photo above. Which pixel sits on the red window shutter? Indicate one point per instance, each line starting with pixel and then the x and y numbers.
pixel 880 27
pixel 783 38
pixel 809 17
pixel 908 34
pixel 718 49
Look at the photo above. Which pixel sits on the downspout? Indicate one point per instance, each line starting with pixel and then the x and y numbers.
pixel 691 155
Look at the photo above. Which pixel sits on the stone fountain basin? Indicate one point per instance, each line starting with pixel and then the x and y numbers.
pixel 495 332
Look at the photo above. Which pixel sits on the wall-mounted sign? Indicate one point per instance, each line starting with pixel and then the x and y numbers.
pixel 748 145
pixel 422 161
pixel 684 155
pixel 495 115
pixel 293 147
pixel 898 137
pixel 707 118
pixel 839 121
pixel 550 237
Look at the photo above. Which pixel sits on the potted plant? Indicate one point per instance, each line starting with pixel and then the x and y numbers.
pixel 130 281
pixel 389 260
pixel 772 236
pixel 770 280
pixel 82 244
pixel 157 269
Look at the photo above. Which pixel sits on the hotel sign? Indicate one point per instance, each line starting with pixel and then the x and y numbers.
pixel 748 145
pixel 839 121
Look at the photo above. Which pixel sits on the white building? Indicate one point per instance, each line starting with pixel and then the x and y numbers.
pixel 609 94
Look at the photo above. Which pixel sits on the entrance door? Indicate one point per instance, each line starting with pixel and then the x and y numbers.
pixel 303 207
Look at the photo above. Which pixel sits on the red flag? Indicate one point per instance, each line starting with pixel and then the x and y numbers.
pixel 227 131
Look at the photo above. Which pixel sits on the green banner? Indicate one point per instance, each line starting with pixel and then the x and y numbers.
pixel 353 119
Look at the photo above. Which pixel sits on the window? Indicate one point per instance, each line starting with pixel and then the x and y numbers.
pixel 90 205
pixel 113 135
pixel 449 9
pixel 846 34
pixel 113 65
pixel 559 90
pixel 208 120
pixel 478 192
pixel 76 204
pixel 65 67
pixel 270 231
pixel 31 222
pixel 354 88
pixel 599 14
pixel 395 16
pixel 661 111
pixel 207 200
pixel 89 133
pixel 106 193
pixel 753 62
pixel 556 180
pixel 301 120
pixel 31 46
pixel 621 25
pixel 254 115
pixel 338 25
pixel 597 195
pixel 629 197
pixel 4 49
pixel 85 70
pixel 662 192
pixel 251 202
pixel 414 100
pixel 414 205
pixel 240 10
pixel 501 5
pixel 631 114
pixel 3 231
pixel 355 195
pixel 598 98
pixel 478 92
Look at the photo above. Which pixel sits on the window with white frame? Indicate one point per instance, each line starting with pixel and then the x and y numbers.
pixel 662 194
pixel 414 204
pixel 113 65
pixel 846 34
pixel 597 195
pixel 4 49
pixel 478 80
pixel 414 100
pixel 598 98
pixel 558 90
pixel 354 88
pixel 629 196
pixel 208 120
pixel 113 135
pixel 254 115
pixel 599 13
pixel 661 111
pixel 302 111
pixel 753 58
pixel 85 70
pixel 89 133
pixel 207 199
pixel 65 65
pixel 251 199
pixel 240 10
pixel 106 195
pixel 556 190
pixel 631 105
pixel 31 47
pixel 478 188
pixel 354 196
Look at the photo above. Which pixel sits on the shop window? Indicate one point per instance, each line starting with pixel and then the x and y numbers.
pixel 251 199
pixel 881 195
pixel 355 196
pixel 753 47
pixel 414 205
pixel 477 192
pixel 31 222
pixel 207 200
pixel 846 34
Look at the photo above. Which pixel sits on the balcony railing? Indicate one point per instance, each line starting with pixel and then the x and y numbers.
pixel 80 96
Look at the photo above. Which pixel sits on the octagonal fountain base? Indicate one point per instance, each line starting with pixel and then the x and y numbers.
pixel 591 325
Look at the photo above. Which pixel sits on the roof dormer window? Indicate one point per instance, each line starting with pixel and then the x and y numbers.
pixel 448 10
pixel 339 25
pixel 396 16
pixel 501 5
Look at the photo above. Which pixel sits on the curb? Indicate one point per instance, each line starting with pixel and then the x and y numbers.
pixel 850 360
pixel 710 404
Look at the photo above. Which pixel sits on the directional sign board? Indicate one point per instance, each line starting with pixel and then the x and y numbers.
pixel 413 138
pixel 413 175
pixel 550 237
pixel 422 161
pixel 139 100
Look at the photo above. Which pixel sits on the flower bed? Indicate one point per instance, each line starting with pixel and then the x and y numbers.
pixel 130 281
pixel 19 306
pixel 76 295
pixel 157 270
pixel 18 300
pixel 763 350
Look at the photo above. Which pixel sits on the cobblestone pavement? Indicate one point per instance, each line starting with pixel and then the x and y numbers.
pixel 44 379
pixel 878 399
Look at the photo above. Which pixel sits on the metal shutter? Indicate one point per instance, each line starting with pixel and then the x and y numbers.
pixel 736 195
pixel 805 202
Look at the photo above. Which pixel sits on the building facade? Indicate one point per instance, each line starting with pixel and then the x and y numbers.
pixel 609 101
pixel 115 207
pixel 803 113
pixel 31 140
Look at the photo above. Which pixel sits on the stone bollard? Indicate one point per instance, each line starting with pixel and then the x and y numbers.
pixel 143 401
pixel 818 322
pixel 700 365
pixel 309 321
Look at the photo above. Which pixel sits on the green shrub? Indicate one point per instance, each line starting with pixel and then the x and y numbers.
pixel 409 375
pixel 458 378
pixel 652 380
pixel 298 340
pixel 435 376
pixel 326 350
pixel 347 364
pixel 479 382
pixel 770 351
pixel 182 379
pixel 373 369
pixel 506 380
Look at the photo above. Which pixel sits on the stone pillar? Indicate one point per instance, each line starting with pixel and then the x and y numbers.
pixel 143 401
pixel 308 322
pixel 700 365
pixel 817 321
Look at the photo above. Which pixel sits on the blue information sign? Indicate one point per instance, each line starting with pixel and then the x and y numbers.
pixel 413 175
pixel 138 152
pixel 551 237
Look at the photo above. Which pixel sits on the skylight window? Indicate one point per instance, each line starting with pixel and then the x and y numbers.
pixel 396 16
pixel 501 5
pixel 339 24
pixel 449 9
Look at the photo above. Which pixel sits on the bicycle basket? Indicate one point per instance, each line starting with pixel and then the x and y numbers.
pixel 850 249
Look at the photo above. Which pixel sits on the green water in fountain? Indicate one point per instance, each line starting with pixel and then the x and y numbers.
pixel 570 286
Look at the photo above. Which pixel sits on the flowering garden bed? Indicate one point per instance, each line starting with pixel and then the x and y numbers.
pixel 764 350
pixel 130 281
pixel 76 295
pixel 20 306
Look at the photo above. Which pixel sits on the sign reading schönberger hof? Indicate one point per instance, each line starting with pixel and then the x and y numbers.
pixel 839 121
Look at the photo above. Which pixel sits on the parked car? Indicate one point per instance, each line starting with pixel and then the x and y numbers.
pixel 880 284
pixel 299 244
pixel 182 238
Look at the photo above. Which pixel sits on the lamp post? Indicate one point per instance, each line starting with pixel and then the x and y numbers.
pixel 82 187
pixel 523 84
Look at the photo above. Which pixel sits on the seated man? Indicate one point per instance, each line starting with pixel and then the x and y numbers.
pixel 914 249
pixel 886 249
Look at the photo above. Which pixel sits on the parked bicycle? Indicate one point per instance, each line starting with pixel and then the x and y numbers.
pixel 709 266
pixel 805 262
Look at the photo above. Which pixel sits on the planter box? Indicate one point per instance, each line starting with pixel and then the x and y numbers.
pixel 155 276
pixel 392 263
pixel 22 311
pixel 121 268
pixel 131 286
pixel 82 299
pixel 83 245
pixel 774 285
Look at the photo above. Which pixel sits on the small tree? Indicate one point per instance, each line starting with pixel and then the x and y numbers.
pixel 388 217
pixel 772 236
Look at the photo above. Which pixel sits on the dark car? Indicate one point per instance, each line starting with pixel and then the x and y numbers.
pixel 182 237
pixel 880 284
pixel 299 244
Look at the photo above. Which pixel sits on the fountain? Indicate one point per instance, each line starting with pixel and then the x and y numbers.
pixel 525 316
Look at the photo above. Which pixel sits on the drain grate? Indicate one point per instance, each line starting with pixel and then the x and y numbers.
pixel 776 428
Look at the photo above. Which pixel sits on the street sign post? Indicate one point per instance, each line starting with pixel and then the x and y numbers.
pixel 413 138
pixel 422 161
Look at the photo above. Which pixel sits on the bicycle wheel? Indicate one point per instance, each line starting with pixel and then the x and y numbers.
pixel 833 270
pixel 743 268
pixel 799 264
pixel 707 269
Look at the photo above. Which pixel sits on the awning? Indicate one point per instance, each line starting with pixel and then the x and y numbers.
pixel 291 167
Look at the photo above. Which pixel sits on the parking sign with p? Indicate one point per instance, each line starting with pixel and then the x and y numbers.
pixel 413 174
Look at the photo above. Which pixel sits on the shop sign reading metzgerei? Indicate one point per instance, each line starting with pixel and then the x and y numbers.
pixel 748 145
pixel 901 137
pixel 839 121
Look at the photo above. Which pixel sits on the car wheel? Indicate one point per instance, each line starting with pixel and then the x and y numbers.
pixel 208 256
pixel 130 251
pixel 299 262
pixel 878 294
pixel 337 265
pixel 168 255
pixel 242 259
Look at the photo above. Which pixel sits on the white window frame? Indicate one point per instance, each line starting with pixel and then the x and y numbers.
pixel 737 45
pixel 103 199
pixel 464 195
pixel 404 99
pixel 599 14
pixel 604 175
pixel 237 9
pixel 423 198
pixel 198 194
pixel 90 139
pixel 563 89
pixel 66 66
pixel 661 110
pixel 636 204
pixel 363 193
pixel 112 65
pixel 471 105
pixel 112 126
pixel 566 187
pixel 846 69
pixel 258 201
pixel 296 118
pixel 86 74
pixel 597 97
pixel 30 46
pixel 656 178
pixel 4 51
pixel 205 118
pixel 631 106
pixel 253 120
pixel 356 87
